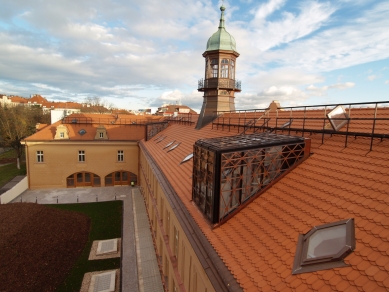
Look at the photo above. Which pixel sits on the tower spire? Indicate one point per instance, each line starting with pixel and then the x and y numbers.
pixel 222 9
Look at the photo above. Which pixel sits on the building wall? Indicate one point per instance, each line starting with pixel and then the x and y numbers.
pixel 60 160
pixel 181 268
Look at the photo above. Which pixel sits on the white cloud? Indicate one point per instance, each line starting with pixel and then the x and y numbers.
pixel 321 91
pixel 266 9
pixel 371 77
pixel 193 100
pixel 387 82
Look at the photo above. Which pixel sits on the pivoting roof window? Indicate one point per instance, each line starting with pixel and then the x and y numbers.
pixel 160 139
pixel 324 247
pixel 187 158
pixel 174 147
pixel 338 117
pixel 168 144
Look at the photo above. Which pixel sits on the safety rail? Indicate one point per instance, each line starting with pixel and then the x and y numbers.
pixel 374 122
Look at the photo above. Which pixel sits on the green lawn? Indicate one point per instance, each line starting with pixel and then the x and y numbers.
pixel 106 223
pixel 9 171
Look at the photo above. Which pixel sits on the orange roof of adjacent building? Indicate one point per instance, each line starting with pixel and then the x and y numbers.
pixel 119 127
pixel 258 244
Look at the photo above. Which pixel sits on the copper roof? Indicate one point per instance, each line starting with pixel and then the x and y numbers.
pixel 259 243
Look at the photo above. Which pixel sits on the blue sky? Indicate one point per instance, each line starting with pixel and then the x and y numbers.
pixel 143 53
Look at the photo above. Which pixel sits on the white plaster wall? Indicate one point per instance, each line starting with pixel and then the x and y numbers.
pixel 11 194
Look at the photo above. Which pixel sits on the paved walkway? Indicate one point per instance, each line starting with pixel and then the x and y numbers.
pixel 139 263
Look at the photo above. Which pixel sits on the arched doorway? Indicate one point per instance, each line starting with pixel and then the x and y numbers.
pixel 120 178
pixel 83 179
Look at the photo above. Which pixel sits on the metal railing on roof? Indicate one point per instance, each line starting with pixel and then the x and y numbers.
pixel 181 118
pixel 258 120
pixel 105 121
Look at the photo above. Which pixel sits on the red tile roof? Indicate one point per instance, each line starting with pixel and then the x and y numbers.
pixel 258 244
pixel 115 131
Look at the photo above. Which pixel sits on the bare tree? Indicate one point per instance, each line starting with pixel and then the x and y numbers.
pixel 17 123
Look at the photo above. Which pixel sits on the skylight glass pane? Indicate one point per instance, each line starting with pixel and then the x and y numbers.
pixel 326 242
pixel 161 139
pixel 168 144
pixel 188 157
pixel 82 132
pixel 338 117
pixel 173 147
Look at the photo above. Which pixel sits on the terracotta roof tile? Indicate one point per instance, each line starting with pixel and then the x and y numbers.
pixel 335 183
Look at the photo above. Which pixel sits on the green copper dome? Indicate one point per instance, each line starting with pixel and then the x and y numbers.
pixel 221 40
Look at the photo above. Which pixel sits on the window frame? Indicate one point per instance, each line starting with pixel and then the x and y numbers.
pixel 39 156
pixel 120 157
pixel 101 135
pixel 62 134
pixel 302 264
pixel 81 156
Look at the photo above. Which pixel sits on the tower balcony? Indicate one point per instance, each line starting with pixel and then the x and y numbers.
pixel 216 83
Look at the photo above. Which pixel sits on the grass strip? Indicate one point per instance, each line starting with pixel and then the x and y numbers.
pixel 9 171
pixel 106 223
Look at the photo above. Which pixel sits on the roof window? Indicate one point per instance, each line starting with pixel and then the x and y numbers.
pixel 324 247
pixel 160 139
pixel 338 117
pixel 168 144
pixel 82 132
pixel 174 147
pixel 230 171
pixel 187 158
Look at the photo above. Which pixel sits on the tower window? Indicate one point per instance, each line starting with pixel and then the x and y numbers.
pixel 232 69
pixel 224 69
pixel 214 68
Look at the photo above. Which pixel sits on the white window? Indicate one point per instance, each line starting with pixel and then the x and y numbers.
pixel 232 69
pixel 39 156
pixel 224 69
pixel 62 135
pixel 120 155
pixel 81 155
pixel 214 67
pixel 101 135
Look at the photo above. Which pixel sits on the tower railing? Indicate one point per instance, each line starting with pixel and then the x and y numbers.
pixel 222 83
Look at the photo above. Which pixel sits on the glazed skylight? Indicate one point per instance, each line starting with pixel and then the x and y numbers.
pixel 168 144
pixel 82 132
pixel 324 247
pixel 187 158
pixel 173 147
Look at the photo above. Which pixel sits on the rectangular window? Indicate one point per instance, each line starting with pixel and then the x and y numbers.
pixel 120 155
pixel 81 156
pixel 167 227
pixel 101 135
pixel 39 156
pixel 62 135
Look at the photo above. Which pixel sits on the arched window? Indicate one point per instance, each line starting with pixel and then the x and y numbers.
pixel 224 71
pixel 214 68
pixel 232 69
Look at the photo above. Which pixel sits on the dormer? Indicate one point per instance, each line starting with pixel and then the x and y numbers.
pixel 101 133
pixel 62 132
pixel 229 172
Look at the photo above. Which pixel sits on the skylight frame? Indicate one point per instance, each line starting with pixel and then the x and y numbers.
pixel 82 132
pixel 187 158
pixel 168 144
pixel 338 117
pixel 302 264
pixel 174 146
pixel 162 138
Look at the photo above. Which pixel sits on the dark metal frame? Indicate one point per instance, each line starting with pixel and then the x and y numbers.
pixel 153 129
pixel 228 172
pixel 304 265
